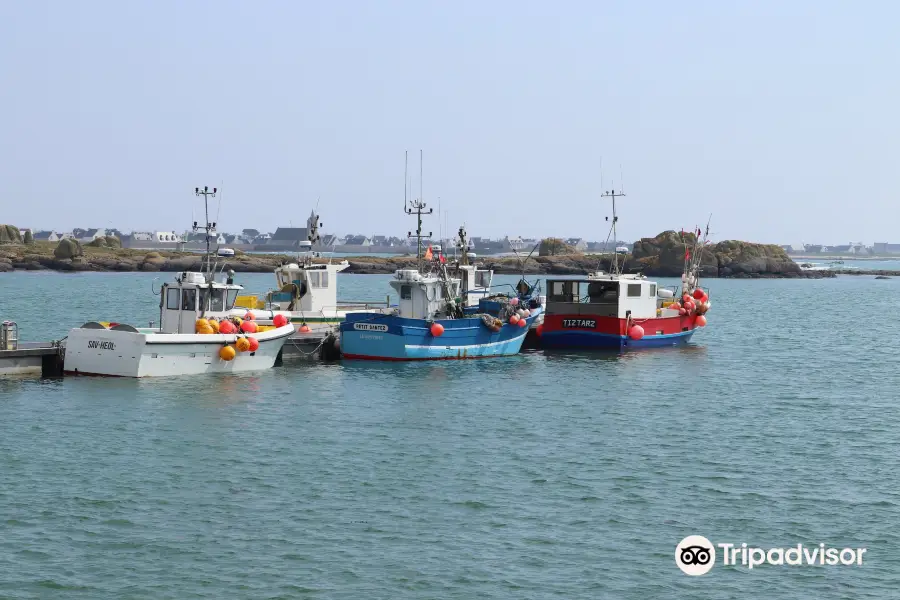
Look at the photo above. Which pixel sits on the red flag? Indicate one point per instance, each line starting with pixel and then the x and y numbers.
pixel 443 260
pixel 687 255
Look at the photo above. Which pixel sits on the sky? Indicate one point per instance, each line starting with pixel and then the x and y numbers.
pixel 779 120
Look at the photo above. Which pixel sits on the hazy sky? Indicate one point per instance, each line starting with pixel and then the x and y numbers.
pixel 778 117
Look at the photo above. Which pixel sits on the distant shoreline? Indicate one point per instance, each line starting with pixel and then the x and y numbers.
pixel 804 257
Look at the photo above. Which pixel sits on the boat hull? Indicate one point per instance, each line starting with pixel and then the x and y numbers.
pixel 113 353
pixel 396 339
pixel 609 333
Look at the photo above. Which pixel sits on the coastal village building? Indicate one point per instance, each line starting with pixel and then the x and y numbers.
pixel 92 234
pixel 46 236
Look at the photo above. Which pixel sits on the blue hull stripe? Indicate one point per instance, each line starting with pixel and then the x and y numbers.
pixel 587 339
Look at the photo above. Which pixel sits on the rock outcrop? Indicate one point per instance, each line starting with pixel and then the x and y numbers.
pixel 68 249
pixel 10 235
pixel 663 256
pixel 109 241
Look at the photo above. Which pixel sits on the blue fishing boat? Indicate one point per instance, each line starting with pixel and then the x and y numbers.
pixel 434 318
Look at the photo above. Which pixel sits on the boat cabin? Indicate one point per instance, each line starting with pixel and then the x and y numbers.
pixel 181 303
pixel 604 295
pixel 306 287
pixel 422 297
pixel 475 283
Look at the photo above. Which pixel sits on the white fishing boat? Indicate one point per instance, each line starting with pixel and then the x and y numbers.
pixel 195 334
pixel 306 294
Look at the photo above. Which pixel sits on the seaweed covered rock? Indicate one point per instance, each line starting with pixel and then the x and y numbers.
pixel 10 235
pixel 68 249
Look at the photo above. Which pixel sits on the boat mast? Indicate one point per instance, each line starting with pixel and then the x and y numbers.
pixel 417 207
pixel 209 227
pixel 612 194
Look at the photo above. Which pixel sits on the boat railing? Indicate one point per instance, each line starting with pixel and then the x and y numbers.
pixel 364 303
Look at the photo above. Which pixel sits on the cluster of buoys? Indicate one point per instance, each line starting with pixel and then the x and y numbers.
pixel 437 330
pixel 243 344
pixel 695 304
pixel 226 326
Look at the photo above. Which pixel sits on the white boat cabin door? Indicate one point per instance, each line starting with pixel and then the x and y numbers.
pixel 179 309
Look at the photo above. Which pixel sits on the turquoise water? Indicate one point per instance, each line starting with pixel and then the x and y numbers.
pixel 536 476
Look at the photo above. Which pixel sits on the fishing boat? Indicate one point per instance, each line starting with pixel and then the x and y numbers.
pixel 196 333
pixel 431 321
pixel 306 293
pixel 624 311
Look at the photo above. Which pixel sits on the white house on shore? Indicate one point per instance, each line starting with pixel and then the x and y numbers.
pixel 46 236
pixel 92 234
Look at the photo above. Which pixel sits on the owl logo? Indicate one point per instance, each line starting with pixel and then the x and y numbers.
pixel 695 555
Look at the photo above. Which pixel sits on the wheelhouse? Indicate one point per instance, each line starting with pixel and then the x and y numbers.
pixel 190 297
pixel 604 296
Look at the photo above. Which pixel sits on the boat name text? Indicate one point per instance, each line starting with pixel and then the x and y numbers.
pixel 102 345
pixel 580 323
pixel 369 327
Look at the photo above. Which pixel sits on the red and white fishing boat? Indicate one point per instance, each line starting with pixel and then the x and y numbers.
pixel 621 311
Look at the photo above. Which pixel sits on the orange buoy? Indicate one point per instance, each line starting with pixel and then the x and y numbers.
pixel 698 293
pixel 636 332
pixel 513 320
pixel 304 328
pixel 227 353
pixel 214 325
pixel 249 316
pixel 201 324
pixel 279 321
pixel 540 330
pixel 700 321
pixel 437 330
pixel 226 327
pixel 523 322
pixel 254 344
pixel 243 344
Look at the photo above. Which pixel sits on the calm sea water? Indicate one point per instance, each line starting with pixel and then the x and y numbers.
pixel 536 476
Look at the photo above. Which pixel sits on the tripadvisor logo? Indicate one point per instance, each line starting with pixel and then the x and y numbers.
pixel 696 555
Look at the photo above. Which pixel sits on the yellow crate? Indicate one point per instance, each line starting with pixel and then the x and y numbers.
pixel 247 301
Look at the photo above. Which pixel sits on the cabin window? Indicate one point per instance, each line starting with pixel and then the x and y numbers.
pixel 172 296
pixel 189 299
pixel 652 290
pixel 600 292
pixel 314 279
pixel 564 291
pixel 483 278
pixel 217 300
pixel 406 292
pixel 634 290
pixel 204 299
pixel 230 299
pixel 324 276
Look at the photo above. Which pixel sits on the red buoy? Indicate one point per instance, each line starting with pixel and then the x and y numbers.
pixel 513 320
pixel 636 332
pixel 437 330
pixel 685 299
pixel 304 328
pixel 689 306
pixel 540 330
pixel 279 321
pixel 254 344
pixel 698 293
pixel 523 322
pixel 226 327
pixel 700 321
pixel 682 311
pixel 248 327
pixel 249 316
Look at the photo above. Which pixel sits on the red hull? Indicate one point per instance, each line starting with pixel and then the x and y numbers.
pixel 615 325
